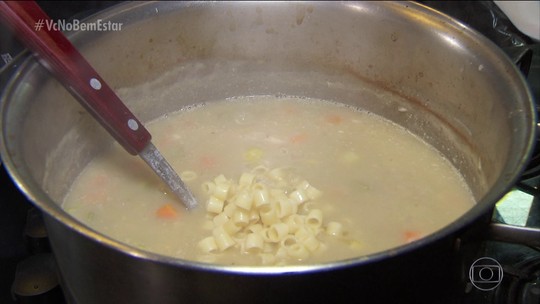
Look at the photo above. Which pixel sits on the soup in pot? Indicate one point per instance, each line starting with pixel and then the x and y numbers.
pixel 279 180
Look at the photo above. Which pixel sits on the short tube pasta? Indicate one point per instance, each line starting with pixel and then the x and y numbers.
pixel 220 219
pixel 245 180
pixel 208 245
pixel 260 195
pixel 220 179
pixel 230 209
pixel 241 218
pixel 231 227
pixel 285 207
pixel 254 243
pixel 221 190
pixel 208 187
pixel 214 205
pixel 334 228
pixel 288 241
pixel 267 213
pixel 254 216
pixel 260 170
pixel 314 218
pixel 311 243
pixel 243 200
pixel 303 233
pixel 222 238
pixel 313 193
pixel 277 173
pixel 277 232
pixel 256 228
pixel 295 221
pixel 299 196
pixel 298 251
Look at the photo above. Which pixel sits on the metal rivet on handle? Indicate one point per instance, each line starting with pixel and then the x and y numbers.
pixel 95 84
pixel 133 125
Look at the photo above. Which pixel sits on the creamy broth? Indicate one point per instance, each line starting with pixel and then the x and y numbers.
pixel 384 185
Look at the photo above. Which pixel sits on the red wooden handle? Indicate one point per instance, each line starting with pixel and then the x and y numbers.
pixel 60 57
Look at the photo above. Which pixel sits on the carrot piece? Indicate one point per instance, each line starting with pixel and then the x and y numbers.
pixel 333 119
pixel 207 161
pixel 298 138
pixel 167 211
pixel 290 110
pixel 411 235
pixel 99 181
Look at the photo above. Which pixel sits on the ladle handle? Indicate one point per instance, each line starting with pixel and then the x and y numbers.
pixel 35 29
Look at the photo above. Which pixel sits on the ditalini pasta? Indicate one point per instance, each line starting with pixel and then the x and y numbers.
pixel 263 214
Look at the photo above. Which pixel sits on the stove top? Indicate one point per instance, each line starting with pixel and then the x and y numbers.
pixel 494 270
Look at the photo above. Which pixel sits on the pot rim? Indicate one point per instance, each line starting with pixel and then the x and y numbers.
pixel 501 186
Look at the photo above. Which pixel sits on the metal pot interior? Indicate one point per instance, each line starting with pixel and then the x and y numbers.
pixel 410 64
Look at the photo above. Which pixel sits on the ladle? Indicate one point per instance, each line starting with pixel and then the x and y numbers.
pixel 35 29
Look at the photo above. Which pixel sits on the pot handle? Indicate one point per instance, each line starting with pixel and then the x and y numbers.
pixel 522 58
pixel 529 236
pixel 503 232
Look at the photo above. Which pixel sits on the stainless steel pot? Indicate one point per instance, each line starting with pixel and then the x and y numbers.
pixel 419 68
